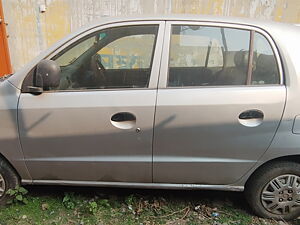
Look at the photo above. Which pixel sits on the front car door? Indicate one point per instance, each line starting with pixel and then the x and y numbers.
pixel 98 124
pixel 215 114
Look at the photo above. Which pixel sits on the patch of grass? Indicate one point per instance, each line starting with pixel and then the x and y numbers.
pixel 32 212
pixel 121 207
pixel 235 216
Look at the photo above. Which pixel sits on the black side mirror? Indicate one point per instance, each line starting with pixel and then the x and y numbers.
pixel 47 76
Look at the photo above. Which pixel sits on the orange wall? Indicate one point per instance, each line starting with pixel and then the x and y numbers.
pixel 5 66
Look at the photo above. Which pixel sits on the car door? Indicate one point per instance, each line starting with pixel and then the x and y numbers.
pixel 98 124
pixel 220 100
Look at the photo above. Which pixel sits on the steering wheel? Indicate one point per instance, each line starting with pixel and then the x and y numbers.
pixel 98 69
pixel 98 61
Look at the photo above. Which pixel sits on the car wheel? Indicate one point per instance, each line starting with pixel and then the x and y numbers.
pixel 274 191
pixel 8 180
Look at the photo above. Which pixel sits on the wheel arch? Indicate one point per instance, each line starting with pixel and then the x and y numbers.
pixel 2 157
pixel 289 158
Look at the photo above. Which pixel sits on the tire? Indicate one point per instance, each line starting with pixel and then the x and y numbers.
pixel 271 191
pixel 8 180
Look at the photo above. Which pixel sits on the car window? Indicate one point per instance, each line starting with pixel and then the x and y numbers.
pixel 72 54
pixel 202 56
pixel 130 52
pixel 119 57
pixel 190 47
pixel 265 68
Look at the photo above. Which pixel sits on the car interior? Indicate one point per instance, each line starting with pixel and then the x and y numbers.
pixel 265 71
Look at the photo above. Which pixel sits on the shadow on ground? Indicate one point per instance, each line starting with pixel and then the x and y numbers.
pixel 219 199
pixel 235 199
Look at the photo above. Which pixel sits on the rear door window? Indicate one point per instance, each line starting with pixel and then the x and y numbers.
pixel 265 68
pixel 219 56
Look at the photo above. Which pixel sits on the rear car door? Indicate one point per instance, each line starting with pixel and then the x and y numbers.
pixel 220 100
pixel 98 124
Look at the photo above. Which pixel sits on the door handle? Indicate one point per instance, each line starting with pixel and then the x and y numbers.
pixel 123 120
pixel 251 114
pixel 251 118
pixel 123 116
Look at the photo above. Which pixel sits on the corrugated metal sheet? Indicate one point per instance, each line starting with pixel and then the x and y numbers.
pixel 31 31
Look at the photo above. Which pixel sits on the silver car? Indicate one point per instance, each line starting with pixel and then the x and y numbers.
pixel 176 102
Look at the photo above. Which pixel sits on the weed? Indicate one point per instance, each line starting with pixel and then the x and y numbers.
pixel 93 207
pixel 104 203
pixel 69 200
pixel 130 200
pixel 18 195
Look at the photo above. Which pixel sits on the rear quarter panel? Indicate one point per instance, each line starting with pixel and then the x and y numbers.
pixel 285 142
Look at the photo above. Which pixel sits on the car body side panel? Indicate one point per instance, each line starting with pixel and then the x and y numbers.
pixel 198 138
pixel 285 142
pixel 9 137
pixel 69 135
pixel 201 140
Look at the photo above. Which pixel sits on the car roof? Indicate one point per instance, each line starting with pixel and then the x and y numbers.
pixel 193 17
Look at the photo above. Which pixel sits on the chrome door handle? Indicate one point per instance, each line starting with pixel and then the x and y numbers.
pixel 251 114
pixel 123 116
pixel 123 120
pixel 251 118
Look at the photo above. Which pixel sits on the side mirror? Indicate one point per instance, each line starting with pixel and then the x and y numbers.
pixel 47 76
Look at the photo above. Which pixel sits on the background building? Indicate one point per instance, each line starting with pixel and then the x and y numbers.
pixel 33 25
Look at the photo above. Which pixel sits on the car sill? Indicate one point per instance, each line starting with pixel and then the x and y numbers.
pixel 136 185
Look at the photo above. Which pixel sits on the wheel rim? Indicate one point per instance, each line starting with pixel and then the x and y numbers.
pixel 2 186
pixel 282 194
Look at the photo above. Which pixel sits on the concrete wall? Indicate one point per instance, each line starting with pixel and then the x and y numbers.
pixel 31 31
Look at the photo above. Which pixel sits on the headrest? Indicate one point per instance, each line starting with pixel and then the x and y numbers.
pixel 266 63
pixel 241 59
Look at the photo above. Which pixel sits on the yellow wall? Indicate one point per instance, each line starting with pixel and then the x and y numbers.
pixel 31 31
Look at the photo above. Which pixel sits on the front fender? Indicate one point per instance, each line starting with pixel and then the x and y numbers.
pixel 10 147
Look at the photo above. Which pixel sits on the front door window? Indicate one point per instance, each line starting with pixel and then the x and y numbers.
pixel 119 57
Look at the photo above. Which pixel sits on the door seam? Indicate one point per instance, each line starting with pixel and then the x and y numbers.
pixel 19 136
pixel 156 97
